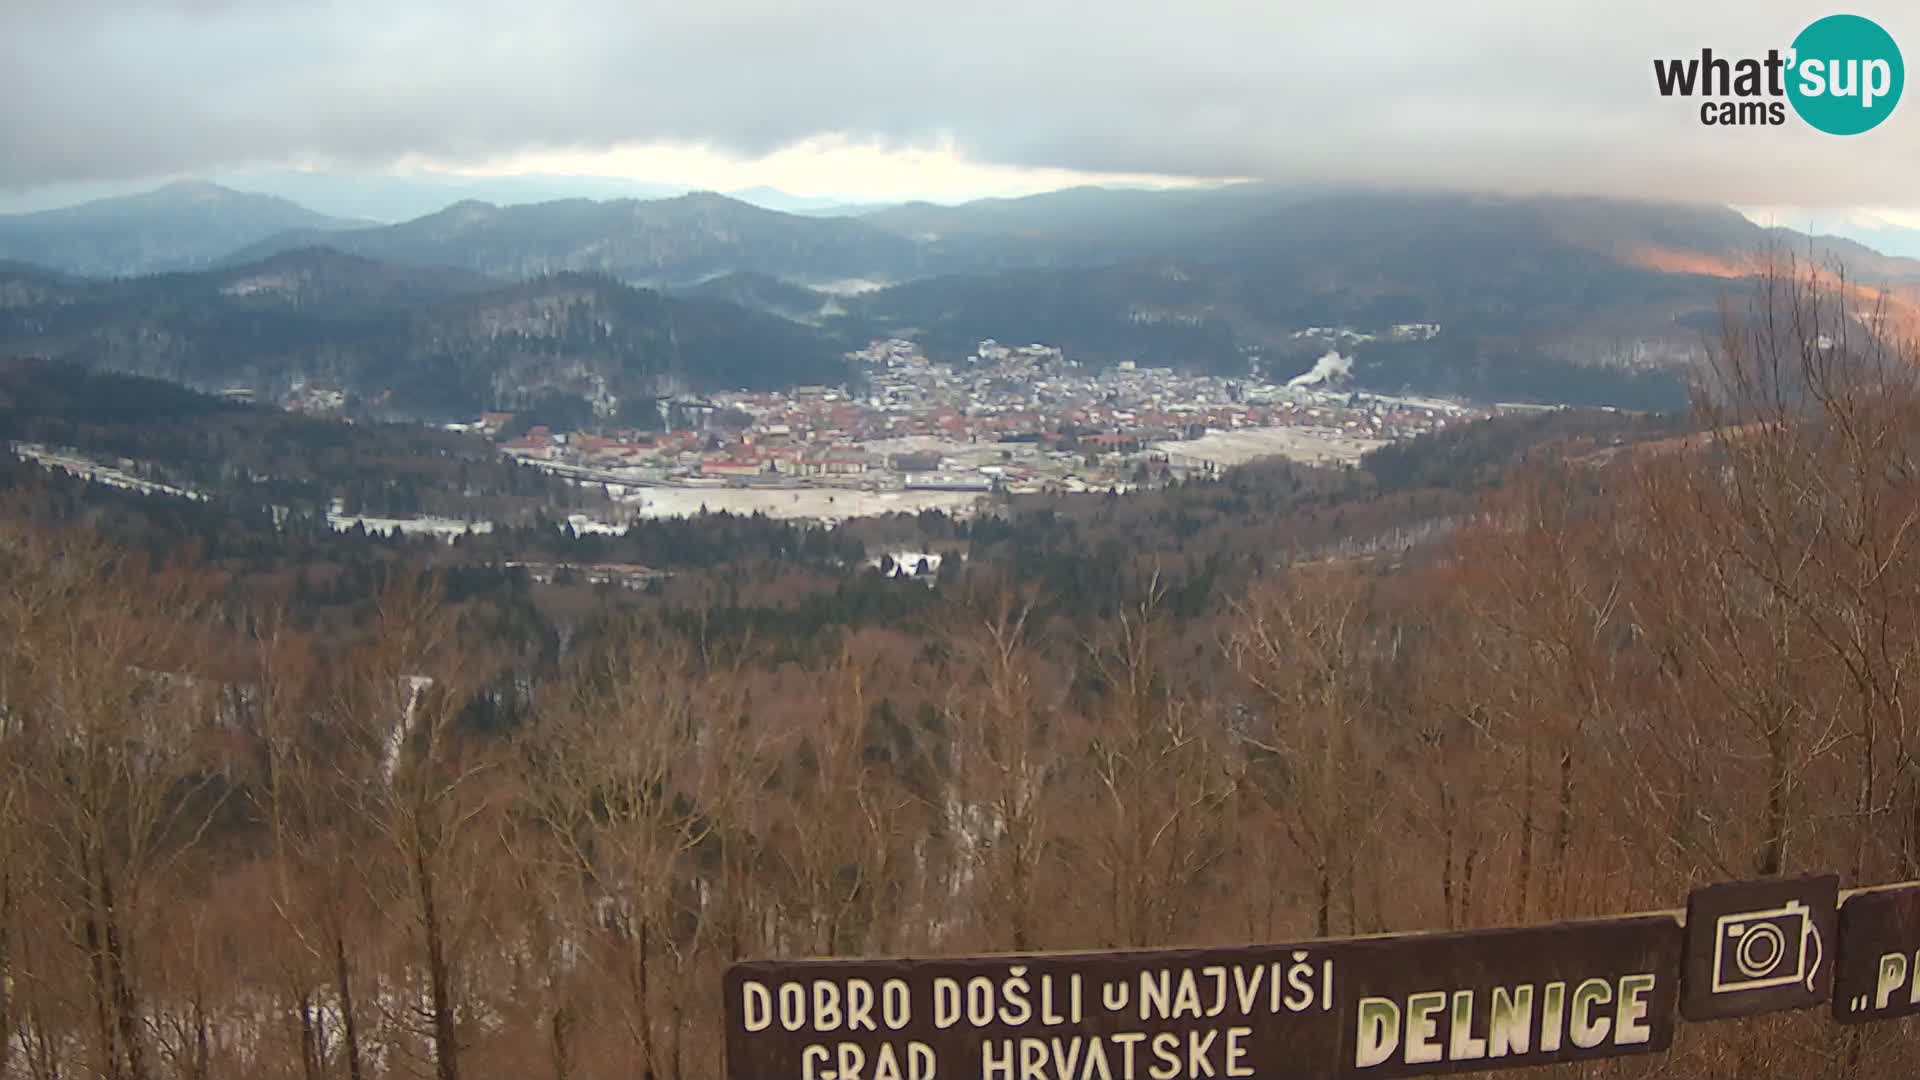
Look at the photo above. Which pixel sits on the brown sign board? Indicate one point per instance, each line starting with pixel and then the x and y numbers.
pixel 1877 971
pixel 1493 999
pixel 1759 946
pixel 1381 1006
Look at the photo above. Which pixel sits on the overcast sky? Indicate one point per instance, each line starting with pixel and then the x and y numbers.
pixel 869 100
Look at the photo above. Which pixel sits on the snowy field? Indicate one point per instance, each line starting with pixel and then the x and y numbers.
pixel 911 444
pixel 819 504
pixel 444 528
pixel 98 473
pixel 1311 446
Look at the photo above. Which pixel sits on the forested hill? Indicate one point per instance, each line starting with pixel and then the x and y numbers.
pixel 1558 300
pixel 252 458
pixel 403 341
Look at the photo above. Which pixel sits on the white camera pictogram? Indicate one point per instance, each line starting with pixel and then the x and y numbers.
pixel 1756 950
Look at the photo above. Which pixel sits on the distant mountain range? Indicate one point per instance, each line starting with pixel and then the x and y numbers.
pixel 177 227
pixel 662 242
pixel 768 198
pixel 1549 298
pixel 385 199
pixel 403 197
pixel 1872 229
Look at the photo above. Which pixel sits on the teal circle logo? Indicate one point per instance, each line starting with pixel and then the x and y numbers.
pixel 1846 75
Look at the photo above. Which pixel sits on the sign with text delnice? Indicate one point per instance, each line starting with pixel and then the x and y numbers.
pixel 1441 1003
pixel 1380 1006
pixel 1877 972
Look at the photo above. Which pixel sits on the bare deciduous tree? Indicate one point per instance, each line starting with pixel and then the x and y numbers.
pixel 1159 777
pixel 1002 796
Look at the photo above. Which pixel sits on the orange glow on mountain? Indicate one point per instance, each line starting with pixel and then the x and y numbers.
pixel 1671 261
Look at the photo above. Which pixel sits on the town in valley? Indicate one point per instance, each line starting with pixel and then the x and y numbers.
pixel 1006 419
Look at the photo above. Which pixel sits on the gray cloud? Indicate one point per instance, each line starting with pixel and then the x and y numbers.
pixel 1507 94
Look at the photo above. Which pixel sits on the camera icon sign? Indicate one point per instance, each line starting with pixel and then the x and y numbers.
pixel 1759 950
pixel 1759 946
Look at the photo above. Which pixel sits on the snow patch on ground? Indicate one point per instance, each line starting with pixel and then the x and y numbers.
pixel 1313 446
pixel 444 528
pixel 815 504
